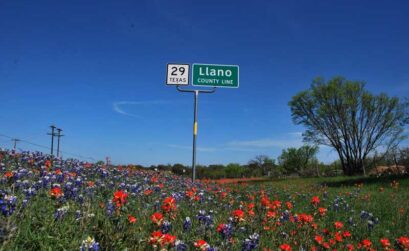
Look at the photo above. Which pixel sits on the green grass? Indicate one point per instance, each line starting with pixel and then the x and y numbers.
pixel 34 227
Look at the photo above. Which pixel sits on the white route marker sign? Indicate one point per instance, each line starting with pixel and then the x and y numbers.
pixel 177 74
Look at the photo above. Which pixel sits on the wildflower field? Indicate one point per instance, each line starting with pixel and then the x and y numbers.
pixel 72 205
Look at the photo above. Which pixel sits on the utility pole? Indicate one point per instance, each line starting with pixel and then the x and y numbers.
pixel 108 162
pixel 15 143
pixel 52 138
pixel 58 142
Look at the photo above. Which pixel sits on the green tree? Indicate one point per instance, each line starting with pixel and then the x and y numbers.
pixel 234 170
pixel 297 160
pixel 179 169
pixel 263 163
pixel 340 113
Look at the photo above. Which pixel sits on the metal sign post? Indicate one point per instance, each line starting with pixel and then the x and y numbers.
pixel 196 93
pixel 205 75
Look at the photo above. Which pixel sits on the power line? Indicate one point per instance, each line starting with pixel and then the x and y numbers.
pixel 48 148
pixel 6 136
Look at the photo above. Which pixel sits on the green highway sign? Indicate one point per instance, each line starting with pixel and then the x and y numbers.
pixel 212 75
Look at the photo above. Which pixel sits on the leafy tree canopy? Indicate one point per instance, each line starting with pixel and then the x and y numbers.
pixel 342 114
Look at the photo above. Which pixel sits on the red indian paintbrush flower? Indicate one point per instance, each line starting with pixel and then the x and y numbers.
pixel 366 243
pixel 350 247
pixel 56 192
pixel 201 245
pixel 238 215
pixel 169 204
pixel 119 198
pixel 306 218
pixel 338 237
pixel 168 239
pixel 319 239
pixel 346 234
pixel 8 174
pixel 385 243
pixel 322 211
pixel 338 225
pixel 131 219
pixel 158 237
pixel 315 201
pixel 404 242
pixel 285 247
pixel 190 194
pixel 148 192
pixel 157 218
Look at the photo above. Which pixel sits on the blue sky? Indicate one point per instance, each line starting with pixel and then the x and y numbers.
pixel 97 70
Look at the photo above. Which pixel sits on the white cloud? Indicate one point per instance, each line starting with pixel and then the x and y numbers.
pixel 118 106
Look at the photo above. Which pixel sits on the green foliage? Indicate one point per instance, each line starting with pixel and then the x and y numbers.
pixel 340 113
pixel 299 160
pixel 264 163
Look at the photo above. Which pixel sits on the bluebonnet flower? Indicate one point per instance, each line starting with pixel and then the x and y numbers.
pixel 226 230
pixel 110 208
pixel 60 178
pixel 230 219
pixel 376 220
pixel 364 215
pixel 166 227
pixel 209 220
pixel 78 181
pixel 25 184
pixel 135 188
pixel 60 212
pixel 104 174
pixel 336 207
pixel 251 243
pixel 122 186
pixel 8 204
pixel 180 246
pixel 285 217
pixel 89 244
pixel 201 216
pixel 29 192
pixel 187 224
pixel 77 215
pixel 350 221
pixel 370 225
pixel 80 199
pixel 178 196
